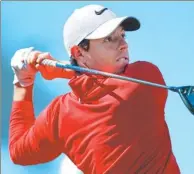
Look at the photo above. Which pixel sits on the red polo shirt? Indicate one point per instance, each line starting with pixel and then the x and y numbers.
pixel 104 125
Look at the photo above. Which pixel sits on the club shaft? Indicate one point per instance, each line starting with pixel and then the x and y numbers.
pixel 96 72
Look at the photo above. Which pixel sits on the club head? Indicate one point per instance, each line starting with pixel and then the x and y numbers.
pixel 187 95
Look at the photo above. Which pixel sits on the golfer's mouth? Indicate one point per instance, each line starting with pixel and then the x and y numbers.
pixel 122 58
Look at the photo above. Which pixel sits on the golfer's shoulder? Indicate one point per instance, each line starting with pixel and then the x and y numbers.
pixel 143 67
pixel 57 102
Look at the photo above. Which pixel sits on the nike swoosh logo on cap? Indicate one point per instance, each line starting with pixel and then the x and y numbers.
pixel 101 11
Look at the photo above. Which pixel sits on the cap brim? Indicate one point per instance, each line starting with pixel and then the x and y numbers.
pixel 104 30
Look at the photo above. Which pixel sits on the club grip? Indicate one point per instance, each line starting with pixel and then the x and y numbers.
pixel 49 62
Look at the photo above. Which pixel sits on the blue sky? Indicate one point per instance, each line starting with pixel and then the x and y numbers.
pixel 166 38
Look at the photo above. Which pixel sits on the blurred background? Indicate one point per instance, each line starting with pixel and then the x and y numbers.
pixel 166 38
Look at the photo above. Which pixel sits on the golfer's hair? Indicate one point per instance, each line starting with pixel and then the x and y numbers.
pixel 83 44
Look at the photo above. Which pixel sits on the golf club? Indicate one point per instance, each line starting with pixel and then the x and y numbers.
pixel 185 92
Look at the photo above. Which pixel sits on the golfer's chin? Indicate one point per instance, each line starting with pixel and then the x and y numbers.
pixel 116 68
pixel 120 68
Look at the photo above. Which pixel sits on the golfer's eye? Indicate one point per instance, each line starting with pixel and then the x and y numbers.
pixel 108 39
pixel 123 35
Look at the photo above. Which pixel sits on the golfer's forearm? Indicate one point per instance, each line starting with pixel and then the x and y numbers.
pixel 66 73
pixel 23 93
pixel 30 139
pixel 21 120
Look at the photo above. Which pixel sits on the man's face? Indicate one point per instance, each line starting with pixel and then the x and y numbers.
pixel 108 54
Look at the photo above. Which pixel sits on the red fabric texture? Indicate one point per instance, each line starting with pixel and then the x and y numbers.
pixel 104 125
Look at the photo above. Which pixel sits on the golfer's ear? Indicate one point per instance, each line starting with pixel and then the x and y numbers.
pixel 80 55
pixel 76 52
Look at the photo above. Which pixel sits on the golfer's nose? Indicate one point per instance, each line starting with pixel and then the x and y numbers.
pixel 123 45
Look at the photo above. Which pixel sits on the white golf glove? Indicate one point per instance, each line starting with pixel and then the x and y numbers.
pixel 23 73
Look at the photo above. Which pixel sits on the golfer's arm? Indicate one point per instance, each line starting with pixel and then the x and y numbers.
pixel 32 140
pixel 22 93
pixel 153 74
pixel 66 73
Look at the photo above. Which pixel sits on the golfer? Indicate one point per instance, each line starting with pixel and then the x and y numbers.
pixel 104 125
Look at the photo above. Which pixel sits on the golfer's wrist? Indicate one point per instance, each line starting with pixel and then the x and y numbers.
pixel 22 93
pixel 69 74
